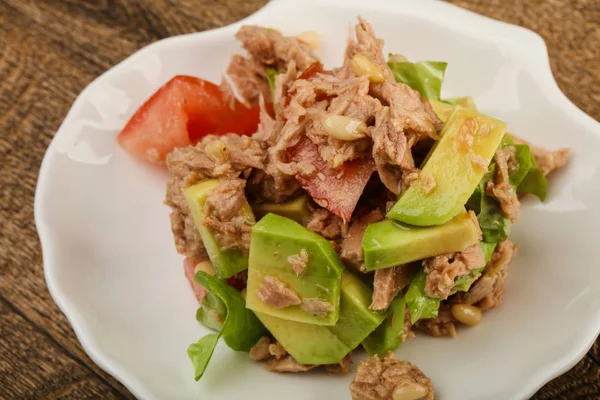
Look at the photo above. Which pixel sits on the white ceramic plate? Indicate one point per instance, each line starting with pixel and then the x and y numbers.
pixel 112 268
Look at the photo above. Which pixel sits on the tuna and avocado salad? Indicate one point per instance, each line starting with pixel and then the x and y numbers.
pixel 329 212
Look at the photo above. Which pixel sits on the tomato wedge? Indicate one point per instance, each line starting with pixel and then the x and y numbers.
pixel 337 190
pixel 312 70
pixel 189 268
pixel 243 121
pixel 180 113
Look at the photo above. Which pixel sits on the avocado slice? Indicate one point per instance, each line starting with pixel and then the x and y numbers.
pixel 452 169
pixel 318 344
pixel 465 101
pixel 442 109
pixel 226 262
pixel 295 209
pixel 356 320
pixel 390 334
pixel 274 241
pixel 390 243
pixel 307 343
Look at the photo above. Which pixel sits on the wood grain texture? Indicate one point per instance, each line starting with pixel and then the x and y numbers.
pixel 50 50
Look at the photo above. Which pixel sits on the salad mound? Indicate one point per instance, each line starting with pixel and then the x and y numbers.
pixel 325 210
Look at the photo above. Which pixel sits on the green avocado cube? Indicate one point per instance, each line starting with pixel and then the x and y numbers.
pixel 303 262
pixel 389 243
pixel 226 262
pixel 390 334
pixel 307 343
pixel 318 344
pixel 465 101
pixel 356 320
pixel 452 169
pixel 442 109
pixel 296 209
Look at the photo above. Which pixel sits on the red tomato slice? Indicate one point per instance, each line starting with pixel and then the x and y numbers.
pixel 180 113
pixel 337 190
pixel 243 121
pixel 312 70
pixel 238 281
pixel 189 268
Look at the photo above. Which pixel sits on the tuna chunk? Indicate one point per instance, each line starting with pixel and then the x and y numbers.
pixel 273 49
pixel 441 270
pixel 443 325
pixel 222 207
pixel 324 223
pixel 500 188
pixel 245 80
pixel 487 292
pixel 187 166
pixel 351 251
pixel 274 293
pixel 547 160
pixel 388 282
pixel 379 378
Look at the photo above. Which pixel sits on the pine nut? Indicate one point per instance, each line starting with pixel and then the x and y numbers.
pixel 411 391
pixel 344 128
pixel 311 38
pixel 468 315
pixel 397 58
pixel 361 65
pixel 206 266
pixel 217 149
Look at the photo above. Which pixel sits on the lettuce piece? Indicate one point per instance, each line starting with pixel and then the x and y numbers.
pixel 463 283
pixel 212 312
pixel 475 201
pixel 488 250
pixel 530 178
pixel 271 74
pixel 534 182
pixel 201 352
pixel 419 304
pixel 241 329
pixel 494 225
pixel 390 334
pixel 524 157
pixel 426 77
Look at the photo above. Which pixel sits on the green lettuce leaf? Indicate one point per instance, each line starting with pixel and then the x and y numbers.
pixel 419 304
pixel 524 157
pixel 463 283
pixel 271 74
pixel 475 201
pixel 534 182
pixel 201 352
pixel 488 250
pixel 494 225
pixel 426 77
pixel 241 329
pixel 529 178
pixel 212 312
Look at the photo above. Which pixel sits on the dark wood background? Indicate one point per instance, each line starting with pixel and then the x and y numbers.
pixel 51 49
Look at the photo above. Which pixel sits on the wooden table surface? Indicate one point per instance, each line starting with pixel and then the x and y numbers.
pixel 51 49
